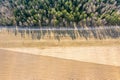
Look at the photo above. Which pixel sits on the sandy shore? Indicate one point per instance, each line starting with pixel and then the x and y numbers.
pixel 10 40
pixel 58 60
pixel 95 54
pixel 22 66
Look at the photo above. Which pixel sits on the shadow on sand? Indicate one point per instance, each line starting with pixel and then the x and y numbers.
pixel 59 33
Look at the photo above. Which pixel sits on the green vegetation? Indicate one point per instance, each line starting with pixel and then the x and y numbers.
pixel 59 13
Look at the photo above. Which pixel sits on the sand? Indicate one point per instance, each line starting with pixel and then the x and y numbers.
pixel 22 66
pixel 26 59
pixel 10 40
pixel 95 54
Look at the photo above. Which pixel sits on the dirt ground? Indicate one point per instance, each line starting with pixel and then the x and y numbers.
pixel 26 59
pixel 22 66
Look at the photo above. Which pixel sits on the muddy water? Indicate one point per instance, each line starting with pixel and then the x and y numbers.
pixel 21 66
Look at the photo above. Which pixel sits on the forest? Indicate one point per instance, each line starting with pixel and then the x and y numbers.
pixel 59 13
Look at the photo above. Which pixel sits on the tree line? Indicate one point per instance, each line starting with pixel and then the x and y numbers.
pixel 59 13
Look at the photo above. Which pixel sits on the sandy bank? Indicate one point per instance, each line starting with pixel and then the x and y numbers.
pixel 20 66
pixel 101 55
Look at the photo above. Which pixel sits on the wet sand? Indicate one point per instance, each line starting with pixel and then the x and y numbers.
pixel 22 66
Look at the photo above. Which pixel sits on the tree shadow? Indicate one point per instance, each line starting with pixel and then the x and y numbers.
pixel 89 33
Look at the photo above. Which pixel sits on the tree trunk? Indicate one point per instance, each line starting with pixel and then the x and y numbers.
pixel 75 30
